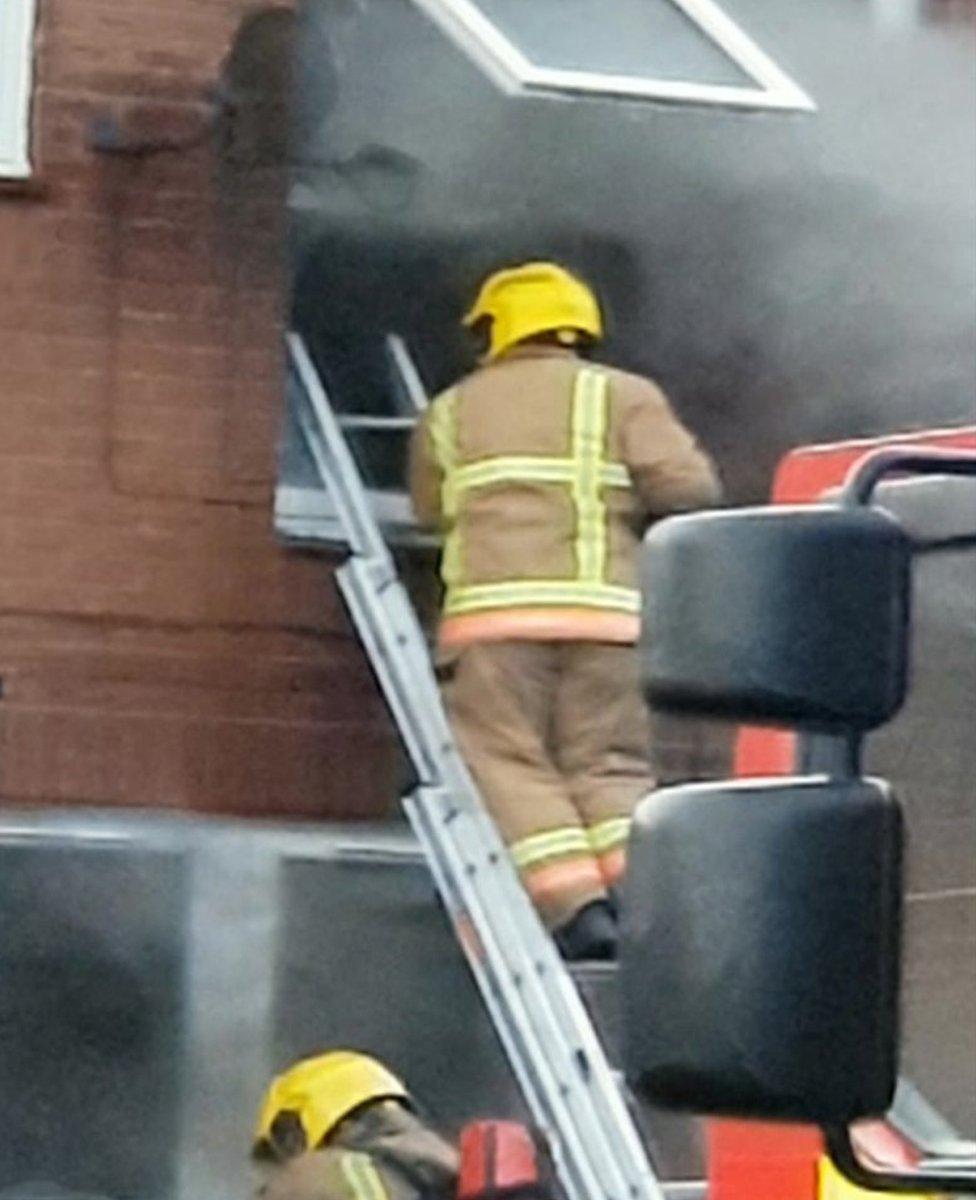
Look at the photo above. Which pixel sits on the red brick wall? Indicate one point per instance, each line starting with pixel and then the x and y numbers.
pixel 156 646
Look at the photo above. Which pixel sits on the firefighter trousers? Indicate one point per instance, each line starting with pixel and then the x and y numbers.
pixel 557 737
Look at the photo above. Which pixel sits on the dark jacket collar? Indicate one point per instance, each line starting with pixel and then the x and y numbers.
pixel 531 350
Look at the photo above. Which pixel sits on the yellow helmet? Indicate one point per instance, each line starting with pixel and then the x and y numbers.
pixel 322 1091
pixel 537 297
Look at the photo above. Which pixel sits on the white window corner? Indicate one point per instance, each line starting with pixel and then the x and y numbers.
pixel 17 26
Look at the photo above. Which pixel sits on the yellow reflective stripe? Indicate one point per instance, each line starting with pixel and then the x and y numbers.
pixel 615 475
pixel 589 423
pixel 555 843
pixel 608 835
pixel 442 424
pixel 530 593
pixel 514 469
pixel 529 469
pixel 363 1178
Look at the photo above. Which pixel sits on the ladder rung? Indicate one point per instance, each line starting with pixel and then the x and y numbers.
pixel 365 421
pixel 691 1189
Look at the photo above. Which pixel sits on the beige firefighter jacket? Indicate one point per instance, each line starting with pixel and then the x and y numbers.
pixel 382 1154
pixel 542 473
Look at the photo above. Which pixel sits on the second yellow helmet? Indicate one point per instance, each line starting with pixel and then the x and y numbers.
pixel 535 298
pixel 321 1092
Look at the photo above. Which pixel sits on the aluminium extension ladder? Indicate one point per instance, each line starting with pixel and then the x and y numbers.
pixel 552 1047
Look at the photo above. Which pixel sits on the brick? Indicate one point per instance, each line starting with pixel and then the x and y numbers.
pixel 141 390
pixel 43 266
pixel 71 282
pixel 251 451
pixel 202 362
pixel 72 65
pixel 57 488
pixel 258 323
pixel 189 29
pixel 172 329
pixel 264 364
pixel 197 433
pixel 195 302
pixel 145 265
pixel 22 351
pixel 186 210
pixel 78 189
pixel 79 319
pixel 58 388
pixel 40 441
pixel 164 237
pixel 164 475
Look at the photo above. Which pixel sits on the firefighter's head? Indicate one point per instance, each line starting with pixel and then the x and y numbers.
pixel 304 1107
pixel 532 301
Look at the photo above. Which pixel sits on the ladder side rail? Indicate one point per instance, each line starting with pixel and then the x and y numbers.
pixel 408 376
pixel 536 1073
pixel 368 577
pixel 536 1008
pixel 333 458
pixel 529 957
pixel 404 690
pixel 369 581
pixel 538 1014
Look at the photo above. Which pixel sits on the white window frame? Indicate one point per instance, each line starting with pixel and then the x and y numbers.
pixel 17 19
pixel 495 53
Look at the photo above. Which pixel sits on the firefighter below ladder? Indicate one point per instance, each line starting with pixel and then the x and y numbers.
pixel 541 471
pixel 342 1126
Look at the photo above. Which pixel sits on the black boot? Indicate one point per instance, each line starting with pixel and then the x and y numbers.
pixel 590 934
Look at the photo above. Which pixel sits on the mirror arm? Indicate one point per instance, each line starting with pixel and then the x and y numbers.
pixel 837 755
pixel 958 1179
pixel 868 473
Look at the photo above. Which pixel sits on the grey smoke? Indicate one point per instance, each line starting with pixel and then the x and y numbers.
pixel 788 278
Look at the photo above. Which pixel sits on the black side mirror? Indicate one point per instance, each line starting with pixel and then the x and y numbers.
pixel 795 616
pixel 761 949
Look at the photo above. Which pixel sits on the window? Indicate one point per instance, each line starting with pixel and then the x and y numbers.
pixel 304 510
pixel 16 70
pixel 674 51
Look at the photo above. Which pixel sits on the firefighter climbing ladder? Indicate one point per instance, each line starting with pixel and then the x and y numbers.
pixel 534 1005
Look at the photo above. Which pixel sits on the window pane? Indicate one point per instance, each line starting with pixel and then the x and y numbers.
pixel 652 39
